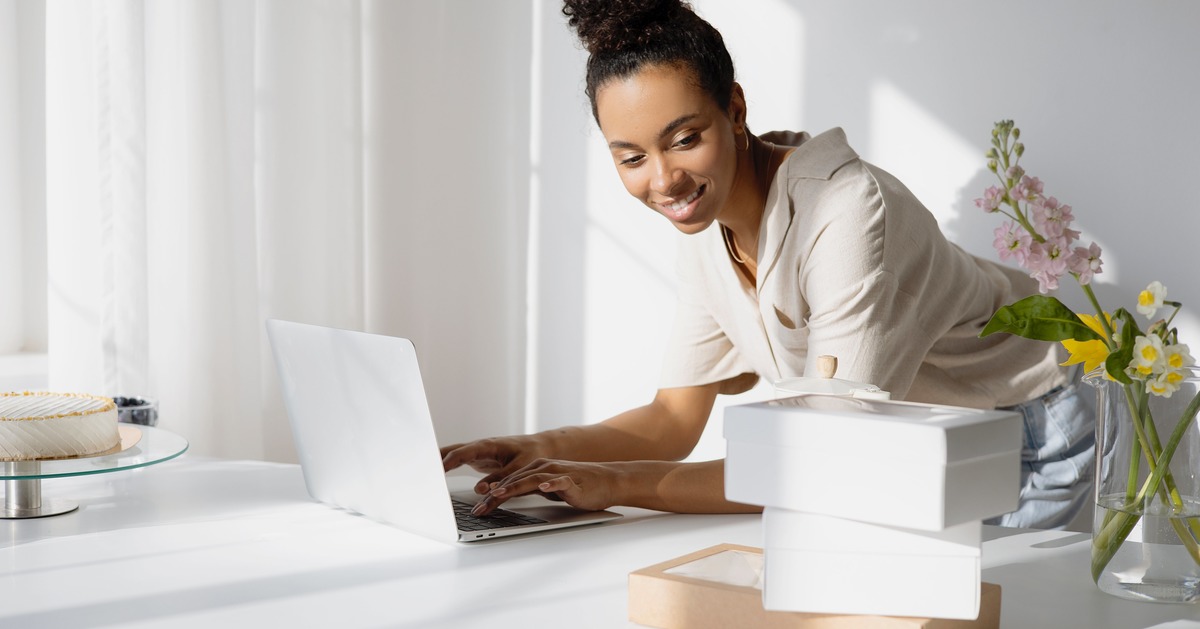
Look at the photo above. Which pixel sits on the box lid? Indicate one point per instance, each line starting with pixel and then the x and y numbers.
pixel 875 429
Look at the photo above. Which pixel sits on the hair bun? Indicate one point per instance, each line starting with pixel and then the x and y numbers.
pixel 612 25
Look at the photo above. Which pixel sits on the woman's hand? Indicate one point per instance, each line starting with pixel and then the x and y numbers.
pixel 660 485
pixel 591 486
pixel 497 457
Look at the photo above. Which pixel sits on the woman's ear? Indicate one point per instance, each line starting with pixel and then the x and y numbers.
pixel 737 107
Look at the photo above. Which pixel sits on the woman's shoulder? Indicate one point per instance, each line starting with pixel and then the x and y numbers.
pixel 813 157
pixel 825 180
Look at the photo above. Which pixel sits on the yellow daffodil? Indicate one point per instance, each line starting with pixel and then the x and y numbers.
pixel 1091 353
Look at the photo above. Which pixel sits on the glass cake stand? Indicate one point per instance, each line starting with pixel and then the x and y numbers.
pixel 140 446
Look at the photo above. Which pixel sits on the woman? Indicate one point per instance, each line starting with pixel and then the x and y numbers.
pixel 795 248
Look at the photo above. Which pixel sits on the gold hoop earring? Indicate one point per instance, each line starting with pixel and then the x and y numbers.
pixel 747 136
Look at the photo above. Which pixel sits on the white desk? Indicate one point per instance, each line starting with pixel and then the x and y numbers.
pixel 206 543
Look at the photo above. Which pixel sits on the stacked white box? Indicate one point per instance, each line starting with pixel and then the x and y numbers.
pixel 918 466
pixel 872 506
pixel 818 563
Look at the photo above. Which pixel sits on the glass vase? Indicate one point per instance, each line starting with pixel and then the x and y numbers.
pixel 1147 522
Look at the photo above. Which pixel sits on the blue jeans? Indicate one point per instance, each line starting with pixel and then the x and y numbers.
pixel 1056 458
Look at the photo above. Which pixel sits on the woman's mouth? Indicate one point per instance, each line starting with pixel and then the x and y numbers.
pixel 680 210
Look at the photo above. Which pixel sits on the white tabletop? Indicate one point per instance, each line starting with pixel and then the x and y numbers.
pixel 200 543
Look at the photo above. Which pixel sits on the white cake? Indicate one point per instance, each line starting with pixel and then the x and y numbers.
pixel 56 425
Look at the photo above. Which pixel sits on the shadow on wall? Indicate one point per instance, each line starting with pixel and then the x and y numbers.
pixel 1103 92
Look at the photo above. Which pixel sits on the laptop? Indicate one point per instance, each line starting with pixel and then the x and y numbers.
pixel 366 443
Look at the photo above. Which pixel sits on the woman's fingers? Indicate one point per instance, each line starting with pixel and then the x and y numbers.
pixel 485 455
pixel 518 484
pixel 560 488
pixel 558 480
pixel 492 481
pixel 456 455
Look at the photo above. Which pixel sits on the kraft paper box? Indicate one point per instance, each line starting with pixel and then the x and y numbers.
pixel 818 563
pixel 682 594
pixel 903 464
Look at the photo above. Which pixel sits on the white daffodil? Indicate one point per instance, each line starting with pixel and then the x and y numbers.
pixel 1148 357
pixel 1165 383
pixel 1178 356
pixel 1151 299
pixel 1176 364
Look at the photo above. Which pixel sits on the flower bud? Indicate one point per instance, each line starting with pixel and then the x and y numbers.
pixel 992 165
pixel 1020 149
pixel 1016 133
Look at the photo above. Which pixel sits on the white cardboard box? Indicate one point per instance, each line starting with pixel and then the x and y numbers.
pixel 822 564
pixel 887 462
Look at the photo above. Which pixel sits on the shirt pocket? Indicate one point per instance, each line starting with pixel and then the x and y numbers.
pixel 787 335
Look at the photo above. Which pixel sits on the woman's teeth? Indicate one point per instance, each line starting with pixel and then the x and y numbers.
pixel 679 205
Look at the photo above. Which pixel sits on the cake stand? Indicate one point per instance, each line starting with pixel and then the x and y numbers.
pixel 140 446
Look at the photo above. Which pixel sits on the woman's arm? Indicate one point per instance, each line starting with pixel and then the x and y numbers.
pixel 629 459
pixel 665 429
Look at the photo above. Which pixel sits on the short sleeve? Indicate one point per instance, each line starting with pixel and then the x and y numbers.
pixel 698 350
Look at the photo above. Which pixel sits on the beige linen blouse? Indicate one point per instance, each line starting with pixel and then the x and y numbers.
pixel 851 264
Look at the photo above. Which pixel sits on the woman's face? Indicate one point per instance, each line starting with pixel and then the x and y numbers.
pixel 673 147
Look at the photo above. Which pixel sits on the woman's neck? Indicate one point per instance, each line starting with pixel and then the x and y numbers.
pixel 742 214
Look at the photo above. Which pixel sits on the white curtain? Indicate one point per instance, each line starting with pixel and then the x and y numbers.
pixel 215 163
pixel 22 184
pixel 10 190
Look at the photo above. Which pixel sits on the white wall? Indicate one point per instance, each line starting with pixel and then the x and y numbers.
pixel 447 172
pixel 1104 92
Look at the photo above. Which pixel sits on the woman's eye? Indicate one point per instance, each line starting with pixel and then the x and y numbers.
pixel 632 161
pixel 686 141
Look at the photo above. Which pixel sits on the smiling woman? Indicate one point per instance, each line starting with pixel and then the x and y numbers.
pixel 677 166
pixel 795 247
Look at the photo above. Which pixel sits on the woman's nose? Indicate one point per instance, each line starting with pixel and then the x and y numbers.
pixel 666 177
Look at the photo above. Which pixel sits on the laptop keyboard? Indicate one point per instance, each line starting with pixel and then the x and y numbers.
pixel 500 518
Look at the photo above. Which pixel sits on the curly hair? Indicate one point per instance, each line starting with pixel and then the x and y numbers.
pixel 622 36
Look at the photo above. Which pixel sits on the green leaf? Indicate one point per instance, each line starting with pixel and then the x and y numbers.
pixel 1118 360
pixel 1041 318
pixel 1129 328
pixel 1116 363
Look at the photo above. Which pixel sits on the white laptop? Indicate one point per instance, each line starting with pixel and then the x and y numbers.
pixel 366 443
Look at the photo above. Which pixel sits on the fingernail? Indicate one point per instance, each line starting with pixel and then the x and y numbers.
pixel 478 509
pixel 481 488
pixel 544 486
pixel 499 491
